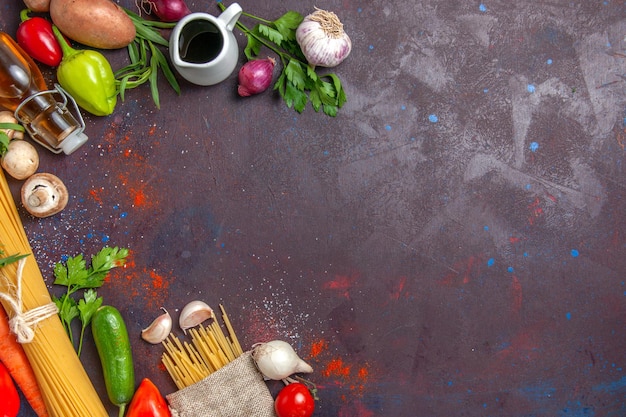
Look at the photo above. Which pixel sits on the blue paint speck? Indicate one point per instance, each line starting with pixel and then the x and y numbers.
pixel 486 228
pixel 486 90
pixel 482 8
pixel 510 269
pixel 123 215
pixel 326 153
pixel 371 47
pixel 525 254
pixel 491 261
pixel 359 10
pixel 530 88
pixel 568 315
pixel 549 62
pixel 387 128
pixel 433 118
pixel 574 253
pixel 403 107
pixel 533 146
pixel 528 186
pixel 105 239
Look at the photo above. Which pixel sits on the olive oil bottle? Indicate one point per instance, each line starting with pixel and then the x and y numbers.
pixel 43 112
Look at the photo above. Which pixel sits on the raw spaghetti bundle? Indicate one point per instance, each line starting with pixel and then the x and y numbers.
pixel 214 376
pixel 210 349
pixel 64 384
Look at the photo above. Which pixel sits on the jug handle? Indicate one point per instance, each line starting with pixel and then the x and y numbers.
pixel 230 16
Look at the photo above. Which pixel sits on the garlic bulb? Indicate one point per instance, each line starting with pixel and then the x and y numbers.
pixel 193 314
pixel 159 329
pixel 322 39
pixel 277 360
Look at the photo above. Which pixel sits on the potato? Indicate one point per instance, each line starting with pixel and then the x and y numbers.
pixel 100 24
pixel 38 5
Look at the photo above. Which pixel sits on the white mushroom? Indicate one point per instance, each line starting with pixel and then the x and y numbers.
pixel 21 159
pixel 7 117
pixel 44 195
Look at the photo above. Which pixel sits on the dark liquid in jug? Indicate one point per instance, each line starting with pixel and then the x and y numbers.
pixel 200 42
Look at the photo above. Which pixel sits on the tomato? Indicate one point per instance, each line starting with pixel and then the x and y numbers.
pixel 37 39
pixel 148 402
pixel 10 403
pixel 295 400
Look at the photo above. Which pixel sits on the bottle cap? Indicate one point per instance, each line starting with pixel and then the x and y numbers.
pixel 73 141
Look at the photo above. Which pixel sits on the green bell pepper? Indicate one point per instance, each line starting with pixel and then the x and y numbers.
pixel 87 76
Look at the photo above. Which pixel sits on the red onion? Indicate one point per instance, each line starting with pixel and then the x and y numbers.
pixel 255 76
pixel 166 10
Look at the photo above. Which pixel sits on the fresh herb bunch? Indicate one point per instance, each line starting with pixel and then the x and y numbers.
pixel 75 275
pixel 4 138
pixel 146 58
pixel 299 82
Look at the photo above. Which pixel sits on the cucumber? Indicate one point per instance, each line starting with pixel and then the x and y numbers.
pixel 111 339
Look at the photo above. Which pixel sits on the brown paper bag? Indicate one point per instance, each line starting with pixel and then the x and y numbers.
pixel 236 390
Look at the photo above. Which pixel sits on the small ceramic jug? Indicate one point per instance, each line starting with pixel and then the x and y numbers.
pixel 203 47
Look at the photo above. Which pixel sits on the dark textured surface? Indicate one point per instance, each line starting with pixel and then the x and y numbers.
pixel 451 244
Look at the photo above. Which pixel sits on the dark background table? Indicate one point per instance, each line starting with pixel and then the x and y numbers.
pixel 451 244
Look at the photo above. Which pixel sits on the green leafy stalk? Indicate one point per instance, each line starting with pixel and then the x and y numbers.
pixel 10 259
pixel 298 82
pixel 75 275
pixel 146 59
pixel 4 138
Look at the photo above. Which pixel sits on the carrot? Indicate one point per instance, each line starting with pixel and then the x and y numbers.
pixel 12 355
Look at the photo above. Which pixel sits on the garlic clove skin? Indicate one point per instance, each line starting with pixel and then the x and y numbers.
pixel 322 39
pixel 277 360
pixel 159 329
pixel 195 313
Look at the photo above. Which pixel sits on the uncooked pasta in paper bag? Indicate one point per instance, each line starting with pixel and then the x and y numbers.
pixel 215 378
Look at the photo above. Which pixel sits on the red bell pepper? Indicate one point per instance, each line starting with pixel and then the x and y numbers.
pixel 10 403
pixel 37 39
pixel 148 402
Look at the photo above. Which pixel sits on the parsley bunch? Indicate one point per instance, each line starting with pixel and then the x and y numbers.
pixel 298 83
pixel 75 275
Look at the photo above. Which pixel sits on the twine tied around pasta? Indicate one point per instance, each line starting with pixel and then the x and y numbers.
pixel 22 323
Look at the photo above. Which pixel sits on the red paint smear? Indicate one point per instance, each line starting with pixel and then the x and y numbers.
pixel 318 347
pixel 95 194
pixel 138 192
pixel 522 348
pixel 399 289
pixel 516 293
pixel 138 196
pixel 463 272
pixel 535 210
pixel 336 367
pixel 343 373
pixel 341 283
pixel 152 290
